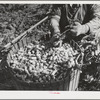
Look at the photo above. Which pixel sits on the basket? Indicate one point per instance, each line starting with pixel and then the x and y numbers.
pixel 56 85
pixel 70 83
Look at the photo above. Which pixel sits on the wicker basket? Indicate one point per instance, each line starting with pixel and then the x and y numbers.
pixel 70 83
pixel 56 85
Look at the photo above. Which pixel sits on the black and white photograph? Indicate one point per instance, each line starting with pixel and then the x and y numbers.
pixel 50 47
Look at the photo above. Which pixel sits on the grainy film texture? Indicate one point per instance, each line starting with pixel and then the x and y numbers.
pixel 50 47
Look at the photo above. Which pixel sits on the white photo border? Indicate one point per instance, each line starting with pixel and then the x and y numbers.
pixel 49 94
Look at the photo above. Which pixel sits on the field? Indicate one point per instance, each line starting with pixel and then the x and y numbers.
pixel 14 20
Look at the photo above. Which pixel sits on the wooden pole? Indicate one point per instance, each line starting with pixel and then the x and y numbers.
pixel 25 33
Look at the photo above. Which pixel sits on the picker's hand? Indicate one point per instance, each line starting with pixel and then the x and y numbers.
pixel 57 43
pixel 76 29
pixel 55 37
pixel 55 40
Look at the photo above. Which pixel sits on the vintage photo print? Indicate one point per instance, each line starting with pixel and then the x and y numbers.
pixel 50 47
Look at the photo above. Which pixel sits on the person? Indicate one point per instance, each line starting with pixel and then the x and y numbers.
pixel 78 19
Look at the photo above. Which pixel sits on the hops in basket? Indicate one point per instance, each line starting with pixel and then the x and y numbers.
pixel 36 64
